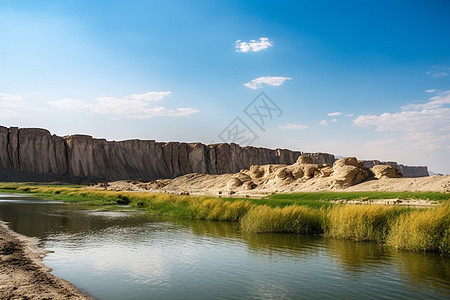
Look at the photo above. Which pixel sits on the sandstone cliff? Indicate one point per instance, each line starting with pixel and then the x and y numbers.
pixel 30 154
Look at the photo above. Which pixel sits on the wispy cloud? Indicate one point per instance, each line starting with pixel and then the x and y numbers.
pixel 150 96
pixel 337 113
pixel 259 82
pixel 333 120
pixel 11 105
pixel 11 100
pixel 253 45
pixel 135 106
pixel 431 90
pixel 435 102
pixel 426 125
pixel 439 71
pixel 323 122
pixel 349 115
pixel 293 126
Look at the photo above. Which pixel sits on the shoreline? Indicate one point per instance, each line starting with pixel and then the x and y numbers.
pixel 24 276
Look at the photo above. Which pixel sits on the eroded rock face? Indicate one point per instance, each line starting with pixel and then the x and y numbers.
pixel 36 155
pixel 385 171
pixel 32 150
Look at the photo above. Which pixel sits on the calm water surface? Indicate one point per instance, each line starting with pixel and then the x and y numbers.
pixel 129 255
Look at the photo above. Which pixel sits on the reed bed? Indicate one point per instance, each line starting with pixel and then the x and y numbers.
pixel 289 219
pixel 402 228
pixel 361 222
pixel 422 230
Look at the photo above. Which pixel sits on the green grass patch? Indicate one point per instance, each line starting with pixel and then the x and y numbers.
pixel 298 198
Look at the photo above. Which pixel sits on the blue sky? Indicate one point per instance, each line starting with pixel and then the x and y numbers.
pixel 369 79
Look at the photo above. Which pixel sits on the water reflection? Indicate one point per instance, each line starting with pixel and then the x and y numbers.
pixel 354 257
pixel 214 260
pixel 424 269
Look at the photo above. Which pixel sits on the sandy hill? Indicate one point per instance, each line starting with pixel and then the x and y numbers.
pixel 346 174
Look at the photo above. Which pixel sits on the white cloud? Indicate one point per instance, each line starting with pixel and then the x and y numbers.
pixel 435 102
pixel 11 100
pixel 337 113
pixel 349 115
pixel 253 45
pixel 258 83
pixel 10 97
pixel 439 71
pixel 439 74
pixel 150 96
pixel 431 90
pixel 333 120
pixel 135 106
pixel 293 126
pixel 323 122
pixel 417 125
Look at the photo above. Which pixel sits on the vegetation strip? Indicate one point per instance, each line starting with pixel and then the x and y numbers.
pixel 307 213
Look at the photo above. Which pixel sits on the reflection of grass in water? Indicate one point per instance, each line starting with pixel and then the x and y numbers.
pixel 412 229
pixel 425 269
pixel 216 229
pixel 356 256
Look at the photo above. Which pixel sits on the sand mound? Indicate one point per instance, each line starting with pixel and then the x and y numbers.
pixel 346 174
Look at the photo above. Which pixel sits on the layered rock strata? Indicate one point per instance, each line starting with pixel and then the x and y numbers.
pixel 31 154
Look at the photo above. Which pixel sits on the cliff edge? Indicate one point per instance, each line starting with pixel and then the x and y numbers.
pixel 33 154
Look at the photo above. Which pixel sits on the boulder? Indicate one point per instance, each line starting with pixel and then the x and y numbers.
pixel 303 159
pixel 385 171
pixel 347 171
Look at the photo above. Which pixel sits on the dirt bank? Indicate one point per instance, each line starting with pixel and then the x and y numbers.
pixel 22 274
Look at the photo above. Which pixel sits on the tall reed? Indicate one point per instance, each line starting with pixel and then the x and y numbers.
pixel 361 222
pixel 289 219
pixel 422 230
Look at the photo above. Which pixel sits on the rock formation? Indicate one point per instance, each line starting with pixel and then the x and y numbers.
pixel 31 154
pixel 407 171
pixel 385 171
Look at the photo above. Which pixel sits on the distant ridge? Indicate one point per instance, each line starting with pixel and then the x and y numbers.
pixel 33 154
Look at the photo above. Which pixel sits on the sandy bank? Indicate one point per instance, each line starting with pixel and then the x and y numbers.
pixel 22 274
pixel 219 185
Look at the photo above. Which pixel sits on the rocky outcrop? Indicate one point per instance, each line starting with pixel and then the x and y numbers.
pixel 385 171
pixel 407 171
pixel 32 154
pixel 342 174
pixel 348 171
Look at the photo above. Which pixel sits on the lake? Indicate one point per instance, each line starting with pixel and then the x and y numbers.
pixel 130 255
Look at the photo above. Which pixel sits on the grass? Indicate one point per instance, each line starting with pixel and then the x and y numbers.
pixel 289 219
pixel 305 213
pixel 422 230
pixel 362 223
